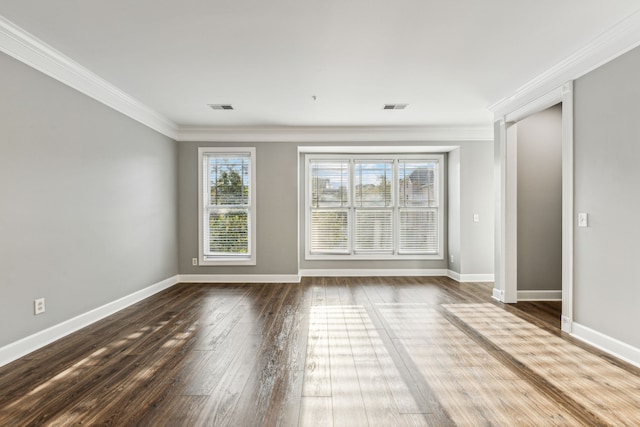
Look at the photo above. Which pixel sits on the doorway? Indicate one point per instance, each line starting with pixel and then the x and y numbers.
pixel 507 224
pixel 539 206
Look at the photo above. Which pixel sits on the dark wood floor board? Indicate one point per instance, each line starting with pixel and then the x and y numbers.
pixel 70 353
pixel 291 341
pixel 88 374
pixel 219 408
pixel 330 351
pixel 317 376
pixel 174 410
pixel 285 402
pixel 229 392
pixel 427 290
pixel 279 360
pixel 265 312
pixel 547 310
pixel 128 393
pixel 202 370
pixel 214 334
pixel 139 315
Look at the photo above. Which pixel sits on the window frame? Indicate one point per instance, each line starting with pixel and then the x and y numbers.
pixel 353 158
pixel 226 260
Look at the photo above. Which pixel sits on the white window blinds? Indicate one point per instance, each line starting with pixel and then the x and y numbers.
pixel 227 202
pixel 373 207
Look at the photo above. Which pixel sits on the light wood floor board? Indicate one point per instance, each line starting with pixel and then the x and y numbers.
pixel 330 351
pixel 606 390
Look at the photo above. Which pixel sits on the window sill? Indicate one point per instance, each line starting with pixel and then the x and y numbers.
pixel 381 257
pixel 221 262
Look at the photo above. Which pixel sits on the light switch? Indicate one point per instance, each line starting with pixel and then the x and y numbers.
pixel 583 220
pixel 476 218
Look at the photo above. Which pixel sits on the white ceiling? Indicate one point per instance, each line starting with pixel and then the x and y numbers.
pixel 447 59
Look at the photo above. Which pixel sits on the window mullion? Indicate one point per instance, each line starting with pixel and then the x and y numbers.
pixel 395 200
pixel 351 196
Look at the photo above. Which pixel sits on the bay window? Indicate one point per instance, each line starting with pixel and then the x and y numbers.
pixel 374 206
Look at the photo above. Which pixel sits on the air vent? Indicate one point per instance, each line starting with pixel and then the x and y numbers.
pixel 221 106
pixel 395 106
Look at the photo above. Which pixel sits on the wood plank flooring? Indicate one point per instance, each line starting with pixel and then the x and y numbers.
pixel 405 351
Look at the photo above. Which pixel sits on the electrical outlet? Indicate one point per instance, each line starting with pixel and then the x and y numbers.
pixel 194 261
pixel 38 306
pixel 451 258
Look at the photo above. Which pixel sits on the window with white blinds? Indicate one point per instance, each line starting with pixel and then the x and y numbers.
pixel 227 204
pixel 373 206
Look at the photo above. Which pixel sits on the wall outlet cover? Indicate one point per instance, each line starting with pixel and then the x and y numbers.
pixel 38 306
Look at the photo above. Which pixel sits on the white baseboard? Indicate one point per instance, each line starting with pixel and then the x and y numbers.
pixel 477 278
pixel 549 295
pixel 454 275
pixel 239 278
pixel 357 272
pixel 498 294
pixel 567 324
pixel 470 277
pixel 26 345
pixel 615 347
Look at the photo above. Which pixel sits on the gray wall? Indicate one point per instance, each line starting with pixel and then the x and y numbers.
pixel 88 202
pixel 607 175
pixel 278 246
pixel 539 149
pixel 276 205
pixel 476 196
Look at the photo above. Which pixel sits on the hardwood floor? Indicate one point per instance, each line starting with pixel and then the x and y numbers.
pixel 327 352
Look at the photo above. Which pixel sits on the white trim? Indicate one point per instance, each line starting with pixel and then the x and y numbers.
pixel 239 278
pixel 380 272
pixel 498 294
pixel 510 248
pixel 324 134
pixel 477 278
pixel 549 99
pixel 376 149
pixel 470 277
pixel 453 275
pixel 547 295
pixel 25 47
pixel 499 183
pixel 38 340
pixel 618 40
pixel 567 206
pixel 611 345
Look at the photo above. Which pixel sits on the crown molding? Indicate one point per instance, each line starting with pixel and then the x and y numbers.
pixel 614 42
pixel 320 134
pixel 25 47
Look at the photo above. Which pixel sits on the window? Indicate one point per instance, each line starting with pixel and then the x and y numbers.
pixel 227 206
pixel 374 206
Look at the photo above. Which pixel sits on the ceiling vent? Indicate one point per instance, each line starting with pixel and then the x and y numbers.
pixel 395 106
pixel 221 106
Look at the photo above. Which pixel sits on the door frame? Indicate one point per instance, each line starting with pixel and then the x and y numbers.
pixel 506 286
